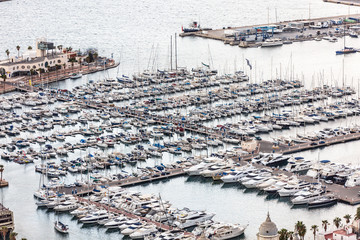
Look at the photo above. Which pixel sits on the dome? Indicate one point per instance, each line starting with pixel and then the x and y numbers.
pixel 268 228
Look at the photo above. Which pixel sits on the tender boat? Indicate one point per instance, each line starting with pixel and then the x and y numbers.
pixel 75 75
pixel 61 228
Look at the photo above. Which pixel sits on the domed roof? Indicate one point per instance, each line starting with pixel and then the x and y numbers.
pixel 268 228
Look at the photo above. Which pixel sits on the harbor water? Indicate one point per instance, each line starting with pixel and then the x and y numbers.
pixel 138 34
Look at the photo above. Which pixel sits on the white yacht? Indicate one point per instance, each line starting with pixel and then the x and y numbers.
pixel 190 219
pixel 94 217
pixel 115 223
pixel 298 164
pixel 272 42
pixel 228 231
pixel 353 180
pixel 144 231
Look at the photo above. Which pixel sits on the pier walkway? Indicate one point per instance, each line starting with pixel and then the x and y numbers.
pixel 22 83
pixel 347 195
pixel 159 225
pixel 83 190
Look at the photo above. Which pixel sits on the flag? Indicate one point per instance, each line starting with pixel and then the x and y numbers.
pixel 248 63
pixel 208 66
pixel 30 82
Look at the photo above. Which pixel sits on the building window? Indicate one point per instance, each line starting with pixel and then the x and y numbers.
pixel 59 61
pixel 23 67
pixel 34 67
pixel 13 68
pixel 17 67
pixel 28 67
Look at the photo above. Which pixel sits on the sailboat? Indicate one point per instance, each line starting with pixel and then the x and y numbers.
pixel 59 226
pixel 346 50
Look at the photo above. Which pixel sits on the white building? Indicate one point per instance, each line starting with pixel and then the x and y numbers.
pixel 43 57
pixel 341 234
pixel 268 230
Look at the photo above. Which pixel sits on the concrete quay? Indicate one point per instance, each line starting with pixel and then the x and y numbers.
pixel 126 182
pixel 159 225
pixel 304 34
pixel 22 83
pixel 345 2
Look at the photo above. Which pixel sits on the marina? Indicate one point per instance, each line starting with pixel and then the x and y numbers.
pixel 120 134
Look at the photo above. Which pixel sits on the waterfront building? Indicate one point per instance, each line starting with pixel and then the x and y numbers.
pixel 345 233
pixel 268 230
pixel 44 57
pixel 6 220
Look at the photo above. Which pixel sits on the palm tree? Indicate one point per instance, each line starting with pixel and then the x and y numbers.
pixel 4 80
pixel 7 53
pixel 13 236
pixel 337 222
pixel 301 229
pixel 325 224
pixel 1 172
pixel 80 63
pixel 357 215
pixel 290 235
pixel 283 234
pixel 4 231
pixel 18 49
pixel 314 228
pixel 29 48
pixel 347 218
pixel 39 71
pixel 60 47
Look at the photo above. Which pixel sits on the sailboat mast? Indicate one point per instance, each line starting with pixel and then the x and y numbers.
pixel 171 53
pixel 175 52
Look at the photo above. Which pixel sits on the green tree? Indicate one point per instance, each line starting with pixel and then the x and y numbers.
pixel 283 234
pixel 4 231
pixel 347 218
pixel 13 236
pixel 1 172
pixel 357 215
pixel 301 229
pixel 18 49
pixel 314 228
pixel 325 224
pixel 4 77
pixel 60 47
pixel 290 235
pixel 337 222
pixel 29 48
pixel 80 60
pixel 8 53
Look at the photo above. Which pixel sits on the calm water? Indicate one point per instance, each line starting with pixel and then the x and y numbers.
pixel 136 31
